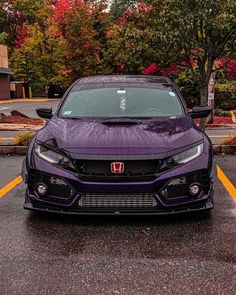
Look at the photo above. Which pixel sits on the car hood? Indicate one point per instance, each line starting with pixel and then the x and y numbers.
pixel 94 138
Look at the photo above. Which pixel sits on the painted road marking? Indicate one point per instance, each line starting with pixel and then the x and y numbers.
pixel 226 183
pixel 28 100
pixel 10 186
pixel 3 109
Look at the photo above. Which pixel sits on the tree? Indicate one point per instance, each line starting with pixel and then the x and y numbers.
pixel 118 7
pixel 82 24
pixel 135 42
pixel 41 57
pixel 202 30
pixel 14 14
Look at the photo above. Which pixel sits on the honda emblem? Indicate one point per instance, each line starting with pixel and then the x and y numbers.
pixel 117 167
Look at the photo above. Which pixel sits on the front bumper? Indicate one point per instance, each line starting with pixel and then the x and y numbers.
pixel 165 206
pixel 206 205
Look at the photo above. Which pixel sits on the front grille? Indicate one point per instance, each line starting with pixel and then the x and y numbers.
pixel 138 200
pixel 132 167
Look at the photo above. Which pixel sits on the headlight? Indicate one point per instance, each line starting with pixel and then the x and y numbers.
pixel 53 157
pixel 188 155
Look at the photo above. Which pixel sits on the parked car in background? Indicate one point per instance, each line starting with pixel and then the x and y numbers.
pixel 120 145
pixel 55 91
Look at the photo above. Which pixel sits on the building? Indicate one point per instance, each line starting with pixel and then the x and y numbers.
pixel 5 73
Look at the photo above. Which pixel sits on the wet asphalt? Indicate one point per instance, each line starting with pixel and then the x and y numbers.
pixel 49 254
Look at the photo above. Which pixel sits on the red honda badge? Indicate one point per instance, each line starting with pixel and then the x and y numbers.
pixel 117 167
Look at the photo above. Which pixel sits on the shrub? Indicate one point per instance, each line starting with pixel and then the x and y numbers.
pixel 24 138
pixel 229 141
pixel 222 113
pixel 226 96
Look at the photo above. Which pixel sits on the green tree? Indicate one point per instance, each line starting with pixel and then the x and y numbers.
pixel 136 40
pixel 41 58
pixel 176 31
pixel 203 30
pixel 118 7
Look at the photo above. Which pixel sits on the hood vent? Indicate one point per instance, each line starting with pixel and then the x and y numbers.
pixel 120 122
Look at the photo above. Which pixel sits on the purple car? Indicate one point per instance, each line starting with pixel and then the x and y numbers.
pixel 120 145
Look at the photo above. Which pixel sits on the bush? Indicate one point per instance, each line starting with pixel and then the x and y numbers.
pixel 226 96
pixel 229 141
pixel 222 113
pixel 24 138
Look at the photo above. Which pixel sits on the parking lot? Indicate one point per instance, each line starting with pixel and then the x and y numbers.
pixel 48 254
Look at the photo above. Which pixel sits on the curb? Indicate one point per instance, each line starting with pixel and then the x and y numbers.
pixel 224 149
pixel 28 100
pixel 220 127
pixel 20 127
pixel 13 150
pixel 6 150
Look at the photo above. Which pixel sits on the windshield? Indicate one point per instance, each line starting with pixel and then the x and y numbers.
pixel 121 102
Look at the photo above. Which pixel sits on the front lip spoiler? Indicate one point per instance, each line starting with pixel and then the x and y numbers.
pixel 162 212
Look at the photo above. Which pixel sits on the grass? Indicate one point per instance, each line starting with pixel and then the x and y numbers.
pixel 24 138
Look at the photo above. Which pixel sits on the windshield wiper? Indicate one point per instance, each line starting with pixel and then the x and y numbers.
pixel 71 118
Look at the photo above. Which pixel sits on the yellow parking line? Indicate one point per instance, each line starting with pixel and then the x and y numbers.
pixel 226 183
pixel 10 186
pixel 29 100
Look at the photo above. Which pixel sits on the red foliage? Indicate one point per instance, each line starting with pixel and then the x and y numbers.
pixel 217 120
pixel 61 7
pixel 86 46
pixel 139 8
pixel 190 62
pixel 229 65
pixel 22 35
pixel 151 69
pixel 154 69
pixel 222 120
pixel 58 34
pixel 65 72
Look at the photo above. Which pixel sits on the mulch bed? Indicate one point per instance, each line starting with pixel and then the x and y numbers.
pixel 229 141
pixel 20 120
pixel 222 120
pixel 217 120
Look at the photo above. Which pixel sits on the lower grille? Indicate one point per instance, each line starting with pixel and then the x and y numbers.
pixel 138 200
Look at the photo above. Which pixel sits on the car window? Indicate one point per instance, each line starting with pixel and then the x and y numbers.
pixel 128 101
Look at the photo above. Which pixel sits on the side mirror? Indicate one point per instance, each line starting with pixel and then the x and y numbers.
pixel 45 113
pixel 200 112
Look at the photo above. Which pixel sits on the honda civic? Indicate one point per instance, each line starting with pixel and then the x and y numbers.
pixel 120 145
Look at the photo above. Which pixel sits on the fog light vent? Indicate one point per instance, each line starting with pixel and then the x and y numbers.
pixel 194 189
pixel 188 185
pixel 41 189
pixel 53 186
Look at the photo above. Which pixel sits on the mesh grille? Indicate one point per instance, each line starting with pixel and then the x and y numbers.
pixel 132 167
pixel 90 200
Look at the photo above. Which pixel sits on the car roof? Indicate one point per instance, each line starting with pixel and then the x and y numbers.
pixel 125 79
